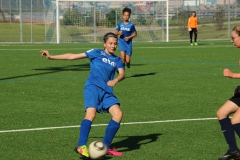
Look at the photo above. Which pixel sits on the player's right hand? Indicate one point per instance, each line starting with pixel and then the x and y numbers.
pixel 45 53
pixel 227 73
pixel 120 33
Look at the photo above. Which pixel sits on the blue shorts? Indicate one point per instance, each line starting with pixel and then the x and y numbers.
pixel 125 46
pixel 96 97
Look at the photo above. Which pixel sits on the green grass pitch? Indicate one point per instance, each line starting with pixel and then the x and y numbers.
pixel 169 99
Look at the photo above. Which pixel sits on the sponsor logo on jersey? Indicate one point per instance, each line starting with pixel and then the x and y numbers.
pixel 106 60
pixel 124 29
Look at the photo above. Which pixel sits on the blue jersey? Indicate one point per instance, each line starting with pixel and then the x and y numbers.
pixel 127 29
pixel 103 67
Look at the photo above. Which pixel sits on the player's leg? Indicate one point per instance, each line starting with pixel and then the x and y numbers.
pixel 112 128
pixel 85 128
pixel 236 122
pixel 123 56
pixel 128 60
pixel 128 53
pixel 112 105
pixel 195 36
pixel 227 129
pixel 190 36
pixel 90 104
pixel 122 50
pixel 236 116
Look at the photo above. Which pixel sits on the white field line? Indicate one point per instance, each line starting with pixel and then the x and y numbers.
pixel 96 125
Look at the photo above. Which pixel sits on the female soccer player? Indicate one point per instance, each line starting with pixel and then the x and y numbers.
pixel 230 126
pixel 193 28
pixel 98 90
pixel 127 31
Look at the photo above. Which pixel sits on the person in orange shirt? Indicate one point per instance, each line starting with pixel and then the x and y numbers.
pixel 193 28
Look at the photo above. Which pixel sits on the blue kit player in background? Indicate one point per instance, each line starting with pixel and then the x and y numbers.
pixel 127 31
pixel 98 90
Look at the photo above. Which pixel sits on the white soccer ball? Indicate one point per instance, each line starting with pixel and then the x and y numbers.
pixel 97 149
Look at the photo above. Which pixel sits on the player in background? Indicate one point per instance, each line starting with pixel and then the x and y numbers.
pixel 231 126
pixel 193 28
pixel 98 90
pixel 127 32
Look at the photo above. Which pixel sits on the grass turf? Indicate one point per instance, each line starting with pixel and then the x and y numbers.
pixel 167 81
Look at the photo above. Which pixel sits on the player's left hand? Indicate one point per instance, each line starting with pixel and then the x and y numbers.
pixel 112 82
pixel 127 38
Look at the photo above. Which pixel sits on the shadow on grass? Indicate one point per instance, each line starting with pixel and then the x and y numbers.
pixel 135 142
pixel 82 67
pixel 142 75
pixel 131 143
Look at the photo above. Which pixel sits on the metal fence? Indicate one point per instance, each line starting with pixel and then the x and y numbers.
pixel 34 21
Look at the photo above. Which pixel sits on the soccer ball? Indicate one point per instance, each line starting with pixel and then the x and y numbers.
pixel 97 149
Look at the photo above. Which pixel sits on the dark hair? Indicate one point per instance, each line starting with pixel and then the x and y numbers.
pixel 194 12
pixel 126 10
pixel 237 29
pixel 109 34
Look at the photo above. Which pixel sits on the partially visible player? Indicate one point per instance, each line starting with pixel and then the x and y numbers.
pixel 231 126
pixel 127 32
pixel 98 90
pixel 193 28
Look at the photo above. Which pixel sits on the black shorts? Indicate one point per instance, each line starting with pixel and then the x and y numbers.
pixel 236 96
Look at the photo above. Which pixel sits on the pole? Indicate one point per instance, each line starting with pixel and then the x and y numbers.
pixel 10 11
pixel 163 20
pixel 167 22
pixel 20 10
pixel 228 18
pixel 94 20
pixel 57 22
pixel 115 17
pixel 31 22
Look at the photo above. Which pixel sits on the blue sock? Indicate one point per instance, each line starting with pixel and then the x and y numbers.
pixel 84 132
pixel 110 132
pixel 228 132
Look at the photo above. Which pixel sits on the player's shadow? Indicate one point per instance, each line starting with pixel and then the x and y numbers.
pixel 132 142
pixel 81 67
pixel 135 142
pixel 142 75
pixel 49 70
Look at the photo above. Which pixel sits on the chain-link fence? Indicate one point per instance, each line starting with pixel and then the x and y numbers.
pixel 22 21
pixel 34 21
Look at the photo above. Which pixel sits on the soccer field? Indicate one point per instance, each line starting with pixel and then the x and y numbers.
pixel 169 99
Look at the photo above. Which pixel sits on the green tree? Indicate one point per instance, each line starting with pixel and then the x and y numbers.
pixel 141 20
pixel 183 17
pixel 218 18
pixel 111 16
pixel 72 17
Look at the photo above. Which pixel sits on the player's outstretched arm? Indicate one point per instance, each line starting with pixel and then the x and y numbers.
pixel 66 56
pixel 119 78
pixel 230 74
